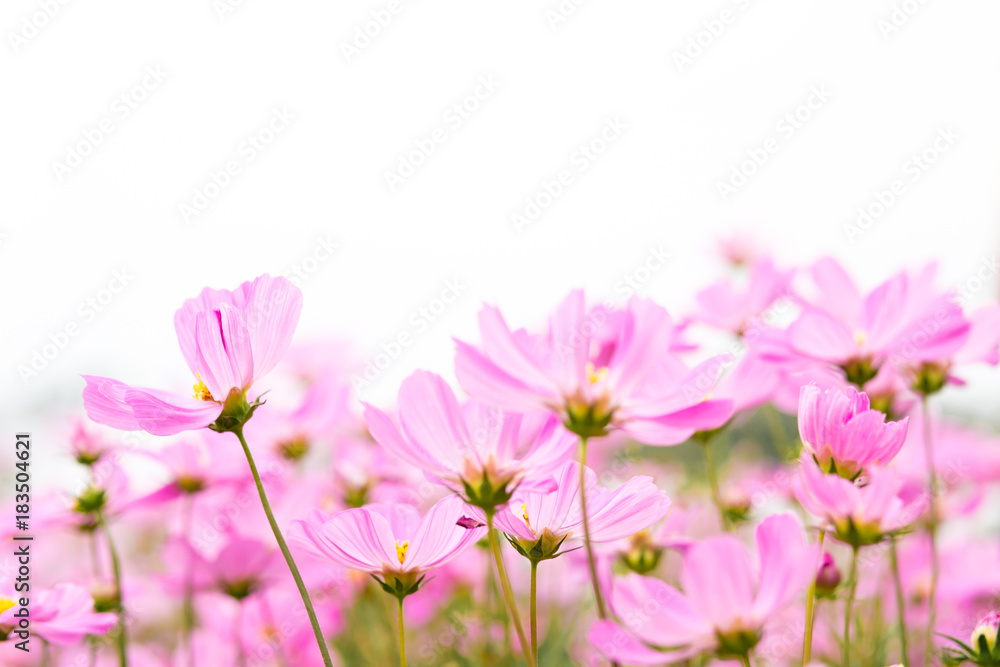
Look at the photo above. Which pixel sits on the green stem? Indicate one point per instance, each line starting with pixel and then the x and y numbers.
pixel 402 635
pixel 241 656
pixel 713 481
pixel 534 612
pixel 508 594
pixel 46 650
pixel 778 433
pixel 900 602
pixel 932 505
pixel 850 603
pixel 811 610
pixel 591 562
pixel 117 569
pixel 317 631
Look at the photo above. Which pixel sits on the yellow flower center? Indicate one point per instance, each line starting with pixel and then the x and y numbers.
pixel 524 514
pixel 596 375
pixel 860 336
pixel 401 551
pixel 201 392
pixel 5 604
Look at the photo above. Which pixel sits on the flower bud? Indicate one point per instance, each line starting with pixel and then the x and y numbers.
pixel 827 577
pixel 988 629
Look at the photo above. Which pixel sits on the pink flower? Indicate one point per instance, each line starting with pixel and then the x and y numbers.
pixel 61 615
pixel 392 541
pixel 242 567
pixel 229 340
pixel 545 520
pixel 726 602
pixel 904 320
pixel 726 305
pixel 862 511
pixel 479 452
pixel 843 434
pixel 597 370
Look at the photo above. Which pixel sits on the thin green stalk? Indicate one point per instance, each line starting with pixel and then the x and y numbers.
pixel 508 594
pixel 534 613
pixel 402 635
pixel 713 481
pixel 744 659
pixel 46 651
pixel 591 562
pixel 932 505
pixel 317 631
pixel 811 610
pixel 117 569
pixel 847 609
pixel 900 602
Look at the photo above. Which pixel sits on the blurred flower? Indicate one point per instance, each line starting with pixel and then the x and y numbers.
pixel 61 615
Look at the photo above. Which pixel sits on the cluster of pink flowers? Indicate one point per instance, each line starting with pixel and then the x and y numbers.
pixel 601 490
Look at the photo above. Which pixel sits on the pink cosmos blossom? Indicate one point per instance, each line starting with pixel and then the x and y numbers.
pixel 549 518
pixel 843 434
pixel 732 307
pixel 862 511
pixel 392 541
pixel 596 370
pixel 903 320
pixel 229 339
pixel 242 567
pixel 479 452
pixel 193 468
pixel 726 602
pixel 62 615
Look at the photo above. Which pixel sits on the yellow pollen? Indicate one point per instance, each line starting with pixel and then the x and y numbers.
pixel 596 375
pixel 860 337
pixel 524 513
pixel 201 392
pixel 5 604
pixel 401 551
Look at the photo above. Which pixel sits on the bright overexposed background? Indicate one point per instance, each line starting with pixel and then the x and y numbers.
pixel 895 74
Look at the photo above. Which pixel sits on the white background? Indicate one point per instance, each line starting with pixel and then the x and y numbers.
pixel 323 177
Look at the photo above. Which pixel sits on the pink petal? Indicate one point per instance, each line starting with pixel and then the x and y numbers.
pixel 618 645
pixel 821 336
pixel 271 313
pixel 787 563
pixel 163 413
pixel 104 401
pixel 439 538
pixel 431 417
pixel 483 379
pixel 719 580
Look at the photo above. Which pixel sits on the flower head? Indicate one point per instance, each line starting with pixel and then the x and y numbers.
pixel 229 340
pixel 479 452
pixel 726 601
pixel 597 369
pixel 62 615
pixel 843 434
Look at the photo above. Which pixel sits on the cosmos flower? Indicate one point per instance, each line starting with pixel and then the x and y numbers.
pixel 843 434
pixel 229 339
pixel 481 453
pixel 726 603
pixel 62 615
pixel 546 520
pixel 597 370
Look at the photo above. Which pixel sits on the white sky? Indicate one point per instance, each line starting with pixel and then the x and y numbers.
pixel 322 176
